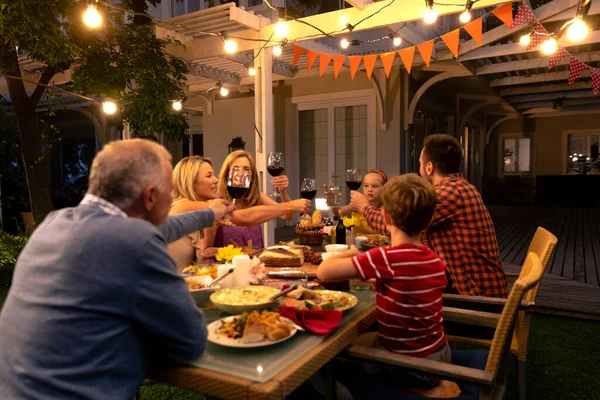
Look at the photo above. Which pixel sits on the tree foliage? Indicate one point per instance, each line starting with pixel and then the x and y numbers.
pixel 123 60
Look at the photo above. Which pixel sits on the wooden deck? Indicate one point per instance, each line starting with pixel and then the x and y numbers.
pixel 577 255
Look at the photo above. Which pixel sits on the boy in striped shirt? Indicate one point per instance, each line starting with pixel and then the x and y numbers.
pixel 410 281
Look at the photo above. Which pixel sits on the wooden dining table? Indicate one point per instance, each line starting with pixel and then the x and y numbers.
pixel 271 372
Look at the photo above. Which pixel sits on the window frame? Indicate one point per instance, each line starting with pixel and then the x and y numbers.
pixel 565 143
pixel 516 136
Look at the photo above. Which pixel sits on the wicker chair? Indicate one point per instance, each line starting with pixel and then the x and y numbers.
pixel 491 380
pixel 542 244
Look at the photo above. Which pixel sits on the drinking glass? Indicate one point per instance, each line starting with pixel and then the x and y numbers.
pixel 238 183
pixel 275 166
pixel 308 190
pixel 353 178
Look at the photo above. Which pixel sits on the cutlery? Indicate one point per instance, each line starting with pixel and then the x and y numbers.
pixel 286 291
pixel 219 279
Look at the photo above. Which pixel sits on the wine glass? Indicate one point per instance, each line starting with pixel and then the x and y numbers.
pixel 353 178
pixel 308 190
pixel 275 165
pixel 238 183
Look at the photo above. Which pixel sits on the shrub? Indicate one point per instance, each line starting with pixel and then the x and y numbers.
pixel 10 248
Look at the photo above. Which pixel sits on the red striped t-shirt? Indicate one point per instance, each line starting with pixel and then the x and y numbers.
pixel 410 283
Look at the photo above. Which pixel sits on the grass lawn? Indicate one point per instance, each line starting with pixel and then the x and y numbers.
pixel 563 362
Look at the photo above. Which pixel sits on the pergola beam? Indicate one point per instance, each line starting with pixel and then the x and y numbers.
pixel 394 13
pixel 214 74
pixel 534 63
pixel 524 80
pixel 576 94
pixel 554 103
pixel 556 87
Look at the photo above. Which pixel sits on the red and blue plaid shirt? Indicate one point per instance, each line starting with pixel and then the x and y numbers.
pixel 462 234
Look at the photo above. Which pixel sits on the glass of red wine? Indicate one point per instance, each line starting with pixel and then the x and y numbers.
pixel 238 183
pixel 308 190
pixel 353 178
pixel 275 165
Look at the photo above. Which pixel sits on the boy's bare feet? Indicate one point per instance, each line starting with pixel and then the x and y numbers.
pixel 445 390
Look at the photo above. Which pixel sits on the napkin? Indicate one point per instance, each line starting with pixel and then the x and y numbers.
pixel 320 322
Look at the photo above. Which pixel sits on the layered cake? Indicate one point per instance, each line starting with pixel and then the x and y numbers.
pixel 292 257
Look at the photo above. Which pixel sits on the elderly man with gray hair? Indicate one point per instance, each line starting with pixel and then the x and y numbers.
pixel 95 296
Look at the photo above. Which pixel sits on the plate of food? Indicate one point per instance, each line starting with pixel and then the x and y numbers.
pixel 199 288
pixel 255 329
pixel 320 299
pixel 374 241
pixel 201 270
pixel 244 299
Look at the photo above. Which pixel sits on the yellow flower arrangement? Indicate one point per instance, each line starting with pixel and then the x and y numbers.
pixel 227 253
pixel 350 221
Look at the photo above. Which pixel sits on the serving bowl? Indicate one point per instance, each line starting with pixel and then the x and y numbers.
pixel 244 299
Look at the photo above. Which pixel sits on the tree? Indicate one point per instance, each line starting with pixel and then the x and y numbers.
pixel 123 60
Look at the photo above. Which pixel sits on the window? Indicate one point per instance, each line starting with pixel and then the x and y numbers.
pixel 516 155
pixel 581 150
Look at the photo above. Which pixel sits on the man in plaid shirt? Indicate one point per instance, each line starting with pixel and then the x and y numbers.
pixel 461 231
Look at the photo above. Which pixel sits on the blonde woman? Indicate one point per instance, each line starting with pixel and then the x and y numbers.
pixel 224 235
pixel 372 192
pixel 194 186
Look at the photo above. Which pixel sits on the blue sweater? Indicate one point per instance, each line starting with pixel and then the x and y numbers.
pixel 95 298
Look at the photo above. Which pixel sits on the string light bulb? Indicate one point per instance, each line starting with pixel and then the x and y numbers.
pixel 230 46
pixel 397 41
pixel 578 30
pixel 277 51
pixel 177 106
pixel 466 15
pixel 223 91
pixel 109 107
pixel 344 20
pixel 430 15
pixel 549 46
pixel 282 29
pixel 525 40
pixel 344 43
pixel 251 71
pixel 92 17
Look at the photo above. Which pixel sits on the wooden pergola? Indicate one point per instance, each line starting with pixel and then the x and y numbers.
pixel 521 85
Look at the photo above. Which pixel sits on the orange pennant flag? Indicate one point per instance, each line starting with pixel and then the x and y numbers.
pixel 324 60
pixel 425 49
pixel 354 64
pixel 474 29
pixel 338 61
pixel 387 59
pixel 369 64
pixel 451 40
pixel 297 54
pixel 407 55
pixel 504 14
pixel 311 56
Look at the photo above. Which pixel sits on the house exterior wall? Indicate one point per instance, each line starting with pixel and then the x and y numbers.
pixel 549 154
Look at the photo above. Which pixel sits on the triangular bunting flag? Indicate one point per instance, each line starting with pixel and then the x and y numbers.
pixel 354 64
pixel 575 69
pixel 425 49
pixel 407 55
pixel 311 56
pixel 338 61
pixel 504 14
pixel 557 57
pixel 595 72
pixel 474 29
pixel 297 54
pixel 451 40
pixel 540 35
pixel 524 16
pixel 324 60
pixel 387 59
pixel 369 62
